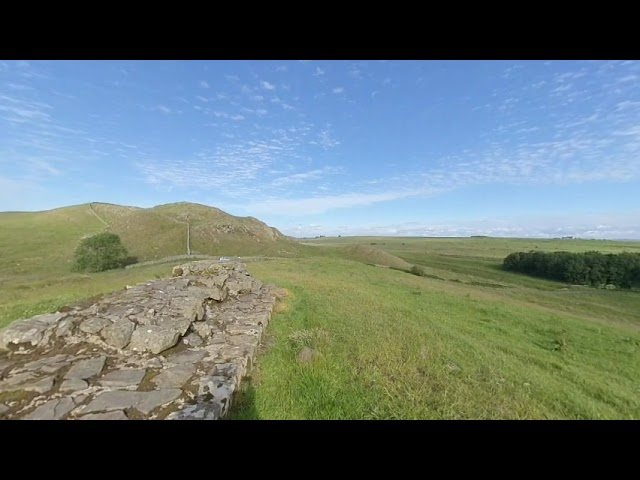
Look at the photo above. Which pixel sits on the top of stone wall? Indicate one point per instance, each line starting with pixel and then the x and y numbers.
pixel 122 353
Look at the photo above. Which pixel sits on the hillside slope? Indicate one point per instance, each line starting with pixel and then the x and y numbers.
pixel 213 231
pixel 37 240
pixel 375 256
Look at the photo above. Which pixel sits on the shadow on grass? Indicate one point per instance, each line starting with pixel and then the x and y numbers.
pixel 244 405
pixel 130 260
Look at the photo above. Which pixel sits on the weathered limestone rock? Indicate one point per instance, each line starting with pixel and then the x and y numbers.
pixel 210 410
pixel 217 389
pixel 175 377
pixel 86 368
pixel 34 331
pixel 193 339
pixel 39 386
pixel 5 363
pixel 242 330
pixel 144 402
pixel 239 285
pixel 202 329
pixel 118 334
pixel 20 378
pixel 153 339
pixel 179 325
pixel 52 410
pixel 24 381
pixel 117 415
pixel 219 294
pixel 94 325
pixel 73 385
pixel 123 378
pixel 65 327
pixel 45 365
pixel 190 356
pixel 216 310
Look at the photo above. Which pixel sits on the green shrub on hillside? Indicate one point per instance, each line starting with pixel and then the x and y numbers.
pixel 417 270
pixel 101 252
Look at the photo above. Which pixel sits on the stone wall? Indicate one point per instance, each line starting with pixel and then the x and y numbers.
pixel 169 349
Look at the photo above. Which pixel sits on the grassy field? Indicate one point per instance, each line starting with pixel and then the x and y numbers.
pixel 468 340
pixel 471 341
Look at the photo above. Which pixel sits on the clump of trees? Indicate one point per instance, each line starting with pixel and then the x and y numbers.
pixel 588 268
pixel 101 252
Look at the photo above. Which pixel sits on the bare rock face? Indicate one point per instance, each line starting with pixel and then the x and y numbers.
pixel 174 348
pixel 94 325
pixel 175 377
pixel 115 415
pixel 86 368
pixel 30 333
pixel 153 339
pixel 52 410
pixel 118 334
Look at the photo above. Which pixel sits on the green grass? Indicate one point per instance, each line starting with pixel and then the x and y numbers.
pixel 467 340
pixel 402 346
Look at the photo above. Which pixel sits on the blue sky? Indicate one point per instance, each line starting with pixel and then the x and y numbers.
pixel 438 148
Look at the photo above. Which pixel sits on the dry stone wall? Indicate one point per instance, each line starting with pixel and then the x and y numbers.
pixel 173 348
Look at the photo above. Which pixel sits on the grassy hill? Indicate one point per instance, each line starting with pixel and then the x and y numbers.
pixel 468 340
pixel 374 256
pixel 161 231
pixel 36 248
pixel 216 232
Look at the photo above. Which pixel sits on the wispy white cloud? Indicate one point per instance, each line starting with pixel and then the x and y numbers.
pixel 318 72
pixel 162 108
pixel 628 78
pixel 326 140
pixel 267 86
pixel 255 111
pixel 204 84
pixel 39 166
pixel 234 169
pixel 356 73
pixel 15 86
pixel 24 113
pixel 318 205
pixel 306 176
pixel 337 90
pixel 230 116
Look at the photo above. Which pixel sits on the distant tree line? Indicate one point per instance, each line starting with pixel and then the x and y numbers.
pixel 588 268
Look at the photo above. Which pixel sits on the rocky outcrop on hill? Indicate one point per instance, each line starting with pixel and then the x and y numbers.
pixel 173 348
